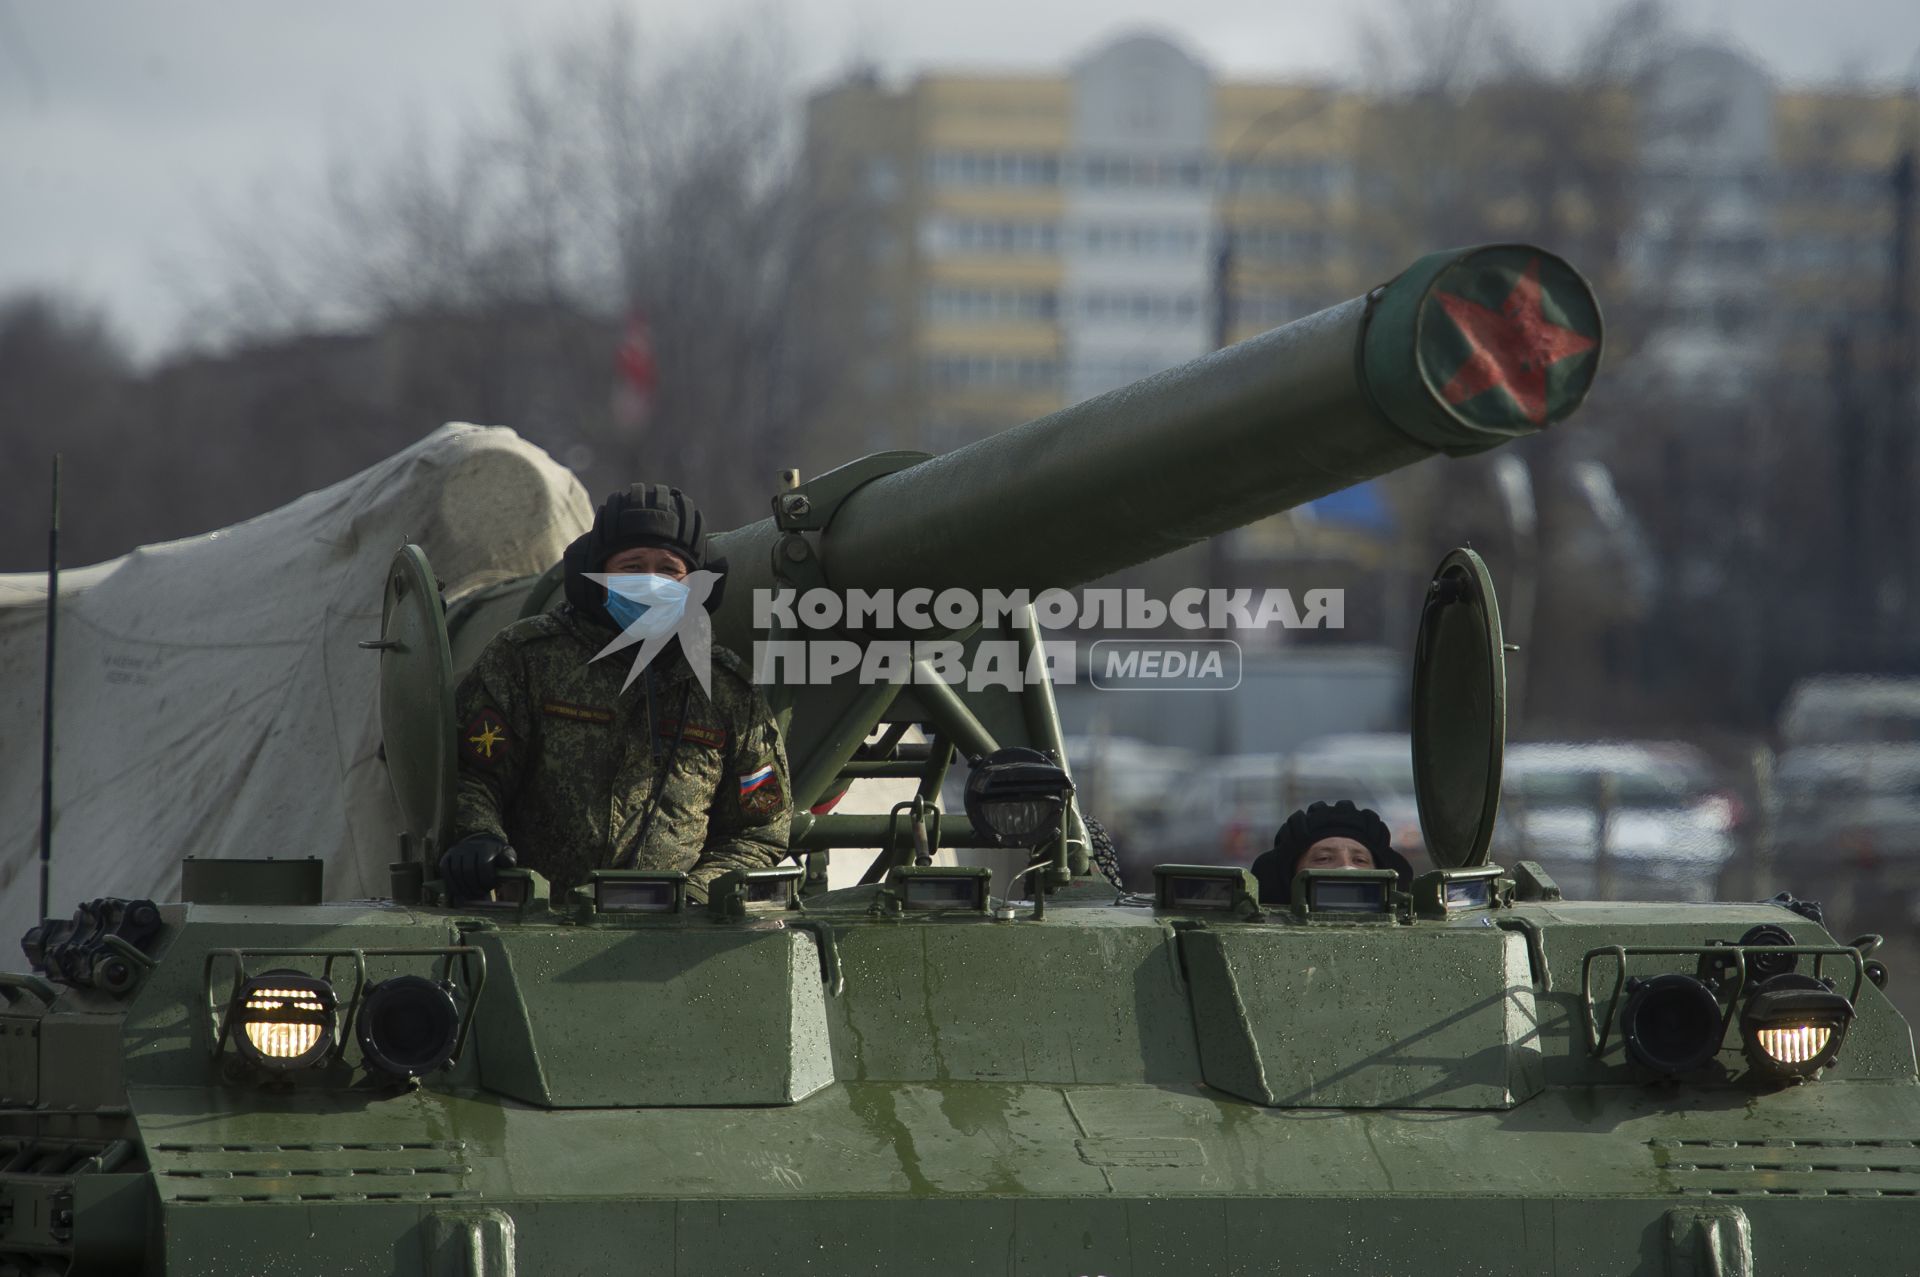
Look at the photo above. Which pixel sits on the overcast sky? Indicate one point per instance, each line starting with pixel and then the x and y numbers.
pixel 124 122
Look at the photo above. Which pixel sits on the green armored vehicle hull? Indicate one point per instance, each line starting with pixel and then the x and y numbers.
pixel 1111 1090
pixel 916 1075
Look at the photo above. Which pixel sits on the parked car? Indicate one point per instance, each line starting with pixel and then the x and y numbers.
pixel 1639 821
pixel 1844 810
pixel 1850 709
pixel 1846 795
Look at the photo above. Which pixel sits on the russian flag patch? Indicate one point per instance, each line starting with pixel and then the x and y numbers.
pixel 760 792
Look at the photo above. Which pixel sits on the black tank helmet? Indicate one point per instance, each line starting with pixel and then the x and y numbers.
pixel 643 514
pixel 1274 870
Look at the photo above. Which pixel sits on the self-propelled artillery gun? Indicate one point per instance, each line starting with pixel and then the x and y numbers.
pixel 1467 1073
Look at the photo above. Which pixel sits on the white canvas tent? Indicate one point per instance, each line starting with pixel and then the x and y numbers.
pixel 211 698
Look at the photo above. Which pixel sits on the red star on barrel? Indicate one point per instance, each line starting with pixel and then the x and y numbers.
pixel 1511 348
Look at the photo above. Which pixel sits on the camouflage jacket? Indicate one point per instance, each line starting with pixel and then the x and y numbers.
pixel 561 763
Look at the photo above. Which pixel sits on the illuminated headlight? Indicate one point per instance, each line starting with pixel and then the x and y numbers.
pixel 408 1026
pixel 1794 1025
pixel 1016 797
pixel 285 1020
pixel 1794 1046
pixel 1672 1024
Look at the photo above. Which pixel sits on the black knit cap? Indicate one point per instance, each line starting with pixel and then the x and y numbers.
pixel 1275 869
pixel 643 514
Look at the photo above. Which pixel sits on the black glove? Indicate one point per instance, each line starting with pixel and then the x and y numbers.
pixel 470 867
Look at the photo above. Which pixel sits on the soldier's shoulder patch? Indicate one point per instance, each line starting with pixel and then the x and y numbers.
pixel 578 713
pixel 694 733
pixel 760 791
pixel 484 741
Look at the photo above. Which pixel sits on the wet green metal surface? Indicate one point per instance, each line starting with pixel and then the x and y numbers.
pixel 1460 1035
pixel 979 1118
pixel 580 1018
pixel 891 1140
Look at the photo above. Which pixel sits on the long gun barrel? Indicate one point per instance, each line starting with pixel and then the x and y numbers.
pixel 1462 352
pixel 1459 353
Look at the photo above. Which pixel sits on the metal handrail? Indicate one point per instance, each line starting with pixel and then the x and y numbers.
pixel 1598 1033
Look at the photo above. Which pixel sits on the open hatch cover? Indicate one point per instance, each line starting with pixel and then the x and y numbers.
pixel 416 702
pixel 1459 712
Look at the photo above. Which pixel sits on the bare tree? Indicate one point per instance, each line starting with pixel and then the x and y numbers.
pixel 618 179
pixel 1473 136
pixel 63 379
pixel 1477 136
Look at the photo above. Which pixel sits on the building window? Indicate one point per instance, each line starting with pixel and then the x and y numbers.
pixel 1139 239
pixel 977 305
pixel 974 372
pixel 994 168
pixel 1137 306
pixel 959 235
pixel 1317 178
pixel 1279 242
pixel 1177 172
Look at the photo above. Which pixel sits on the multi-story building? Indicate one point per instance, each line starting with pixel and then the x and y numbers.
pixel 1012 244
pixel 1769 227
pixel 1028 241
pixel 1024 242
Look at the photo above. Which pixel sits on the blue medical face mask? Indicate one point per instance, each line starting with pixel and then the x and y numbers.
pixel 646 604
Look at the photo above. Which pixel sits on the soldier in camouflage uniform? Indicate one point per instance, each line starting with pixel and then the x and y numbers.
pixel 563 770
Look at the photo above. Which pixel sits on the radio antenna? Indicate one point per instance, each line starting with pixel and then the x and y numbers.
pixel 46 713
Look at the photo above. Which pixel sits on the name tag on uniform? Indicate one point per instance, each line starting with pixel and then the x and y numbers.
pixel 695 734
pixel 578 713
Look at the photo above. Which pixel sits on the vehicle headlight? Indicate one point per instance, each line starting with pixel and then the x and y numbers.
pixel 408 1026
pixel 1016 797
pixel 285 1020
pixel 1793 1026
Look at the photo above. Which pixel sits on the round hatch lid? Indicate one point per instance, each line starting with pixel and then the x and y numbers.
pixel 416 701
pixel 1459 712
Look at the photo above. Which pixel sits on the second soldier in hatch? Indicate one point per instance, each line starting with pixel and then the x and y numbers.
pixel 576 764
pixel 1327 836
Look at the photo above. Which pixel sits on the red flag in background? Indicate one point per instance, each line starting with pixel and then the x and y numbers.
pixel 639 375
